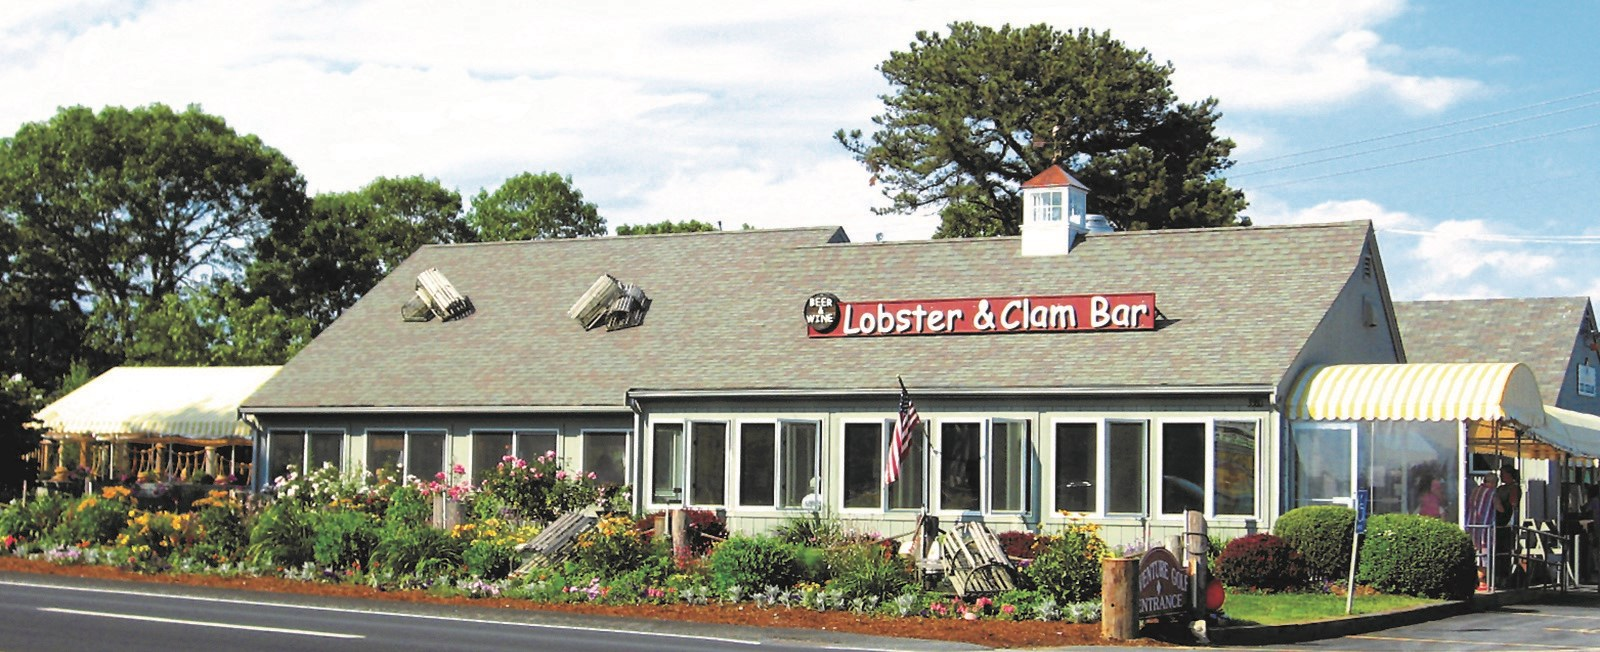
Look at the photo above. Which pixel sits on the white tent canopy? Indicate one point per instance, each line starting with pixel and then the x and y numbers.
pixel 200 403
pixel 1577 433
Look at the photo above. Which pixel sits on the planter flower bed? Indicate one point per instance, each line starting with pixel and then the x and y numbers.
pixel 371 536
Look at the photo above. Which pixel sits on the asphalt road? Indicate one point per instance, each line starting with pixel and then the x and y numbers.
pixel 43 614
pixel 1556 623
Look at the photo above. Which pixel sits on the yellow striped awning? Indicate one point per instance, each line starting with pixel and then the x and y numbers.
pixel 1417 392
pixel 158 402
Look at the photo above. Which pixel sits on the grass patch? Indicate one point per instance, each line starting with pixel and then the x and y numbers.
pixel 1286 608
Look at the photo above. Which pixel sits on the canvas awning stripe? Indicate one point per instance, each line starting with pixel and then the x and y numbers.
pixel 199 403
pixel 1417 392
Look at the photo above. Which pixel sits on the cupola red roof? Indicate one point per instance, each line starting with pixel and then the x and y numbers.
pixel 1052 177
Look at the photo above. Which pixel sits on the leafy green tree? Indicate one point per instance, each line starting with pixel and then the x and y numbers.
pixel 534 207
pixel 318 266
pixel 131 203
pixel 974 114
pixel 665 226
pixel 19 400
pixel 215 325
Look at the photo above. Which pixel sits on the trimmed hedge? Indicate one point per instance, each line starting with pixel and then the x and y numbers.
pixel 1262 562
pixel 755 562
pixel 1417 555
pixel 1321 533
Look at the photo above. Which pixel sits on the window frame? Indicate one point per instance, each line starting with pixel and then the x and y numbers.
pixel 885 435
pixel 405 448
pixel 305 434
pixel 1096 466
pixel 1208 465
pixel 986 461
pixel 1102 497
pixel 689 463
pixel 679 465
pixel 627 449
pixel 737 467
pixel 516 435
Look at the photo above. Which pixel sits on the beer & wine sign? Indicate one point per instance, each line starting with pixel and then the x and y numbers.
pixel 826 316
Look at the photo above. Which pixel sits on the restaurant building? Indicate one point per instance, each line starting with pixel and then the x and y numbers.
pixel 1122 377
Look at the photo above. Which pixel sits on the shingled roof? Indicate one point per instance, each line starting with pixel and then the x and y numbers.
pixel 727 316
pixel 1537 332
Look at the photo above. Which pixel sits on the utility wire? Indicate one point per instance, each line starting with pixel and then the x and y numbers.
pixel 1489 237
pixel 1415 142
pixel 1421 129
pixel 1432 157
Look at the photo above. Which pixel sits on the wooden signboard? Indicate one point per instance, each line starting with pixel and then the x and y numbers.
pixel 1163 584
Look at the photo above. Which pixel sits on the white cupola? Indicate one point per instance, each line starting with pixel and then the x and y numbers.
pixel 1054 211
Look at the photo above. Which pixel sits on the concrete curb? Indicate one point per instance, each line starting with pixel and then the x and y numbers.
pixel 1301 632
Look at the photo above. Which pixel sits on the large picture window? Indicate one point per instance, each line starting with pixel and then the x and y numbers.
pixel 1077 446
pixel 605 454
pixel 863 465
pixel 708 463
pixel 983 472
pixel 1183 467
pixel 308 450
pixel 490 447
pixel 414 453
pixel 777 463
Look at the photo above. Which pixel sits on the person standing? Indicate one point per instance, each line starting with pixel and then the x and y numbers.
pixel 1507 505
pixel 1480 518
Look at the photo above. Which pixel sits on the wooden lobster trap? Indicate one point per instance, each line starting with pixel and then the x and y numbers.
pixel 974 562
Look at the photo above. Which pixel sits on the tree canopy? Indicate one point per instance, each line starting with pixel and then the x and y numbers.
pixel 317 266
pixel 534 207
pixel 116 209
pixel 665 226
pixel 974 114
pixel 215 325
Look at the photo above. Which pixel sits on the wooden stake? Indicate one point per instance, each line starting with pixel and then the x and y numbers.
pixel 1119 598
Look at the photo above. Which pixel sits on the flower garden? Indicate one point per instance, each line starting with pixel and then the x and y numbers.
pixel 376 531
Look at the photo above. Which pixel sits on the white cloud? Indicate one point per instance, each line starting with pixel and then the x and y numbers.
pixel 1268 211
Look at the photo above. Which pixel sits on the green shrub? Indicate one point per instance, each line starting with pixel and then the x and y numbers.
pixel 96 519
pixel 219 520
pixel 539 489
pixel 1068 566
pixel 612 547
pixel 281 536
pixel 407 508
pixel 1417 555
pixel 417 550
pixel 345 538
pixel 1321 533
pixel 814 529
pixel 34 520
pixel 1262 562
pixel 489 559
pixel 869 569
pixel 754 562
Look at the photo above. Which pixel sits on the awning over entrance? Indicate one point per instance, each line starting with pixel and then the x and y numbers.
pixel 1575 433
pixel 1418 392
pixel 190 403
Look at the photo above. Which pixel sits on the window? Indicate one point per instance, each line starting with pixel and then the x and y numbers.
pixel 307 450
pixel 863 465
pixel 414 453
pixel 906 493
pixel 1047 206
pixel 778 463
pixel 1235 447
pixel 490 447
pixel 1077 449
pixel 605 454
pixel 666 465
pixel 1183 467
pixel 1125 467
pixel 983 473
pixel 1319 462
pixel 708 463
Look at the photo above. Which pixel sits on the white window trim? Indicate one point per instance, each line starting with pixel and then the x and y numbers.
pixel 736 463
pixel 1096 469
pixel 649 472
pixel 885 434
pixel 628 449
pixel 1159 462
pixel 987 475
pixel 472 442
pixel 405 448
pixel 1211 457
pixel 985 467
pixel 688 461
pixel 1101 498
pixel 305 447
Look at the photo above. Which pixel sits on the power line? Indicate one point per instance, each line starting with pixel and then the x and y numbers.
pixel 1416 142
pixel 1431 157
pixel 1510 239
pixel 1419 130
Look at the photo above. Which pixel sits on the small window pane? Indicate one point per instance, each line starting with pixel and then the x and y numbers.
pixel 604 455
pixel 907 492
pixel 1319 461
pixel 709 457
pixel 757 449
pixel 1183 467
pixel 425 455
pixel 1236 467
pixel 960 461
pixel 488 450
pixel 284 447
pixel 1125 476
pixel 384 450
pixel 799 463
pixel 532 445
pixel 326 448
pixel 863 462
pixel 1075 458
pixel 666 465
pixel 1008 455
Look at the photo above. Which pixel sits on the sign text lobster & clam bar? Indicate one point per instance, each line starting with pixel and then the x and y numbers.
pixel 827 316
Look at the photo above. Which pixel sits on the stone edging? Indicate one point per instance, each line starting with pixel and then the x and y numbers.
pixel 1299 632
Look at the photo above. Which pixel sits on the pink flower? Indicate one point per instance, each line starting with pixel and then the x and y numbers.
pixel 561 475
pixel 983 602
pixel 520 463
pixel 592 475
pixel 458 469
pixel 508 458
pixel 439 476
pixel 1008 609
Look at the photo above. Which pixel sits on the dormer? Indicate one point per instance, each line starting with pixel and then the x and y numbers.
pixel 1054 211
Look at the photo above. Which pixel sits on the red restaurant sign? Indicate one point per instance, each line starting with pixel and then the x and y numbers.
pixel 1084 312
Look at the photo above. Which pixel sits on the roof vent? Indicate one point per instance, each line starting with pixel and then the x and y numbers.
pixel 619 305
pixel 1096 223
pixel 435 297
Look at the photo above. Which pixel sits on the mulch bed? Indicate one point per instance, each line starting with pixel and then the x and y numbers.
pixel 987 632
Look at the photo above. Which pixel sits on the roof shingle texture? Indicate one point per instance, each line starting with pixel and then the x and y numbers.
pixel 1537 332
pixel 727 315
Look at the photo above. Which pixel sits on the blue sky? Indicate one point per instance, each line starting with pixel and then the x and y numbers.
pixel 1467 131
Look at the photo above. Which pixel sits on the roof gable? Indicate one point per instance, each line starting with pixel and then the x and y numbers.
pixel 1544 334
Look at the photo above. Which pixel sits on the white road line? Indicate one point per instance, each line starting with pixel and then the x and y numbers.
pixel 392 614
pixel 200 623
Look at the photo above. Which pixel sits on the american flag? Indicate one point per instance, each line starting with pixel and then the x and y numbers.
pixel 903 429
